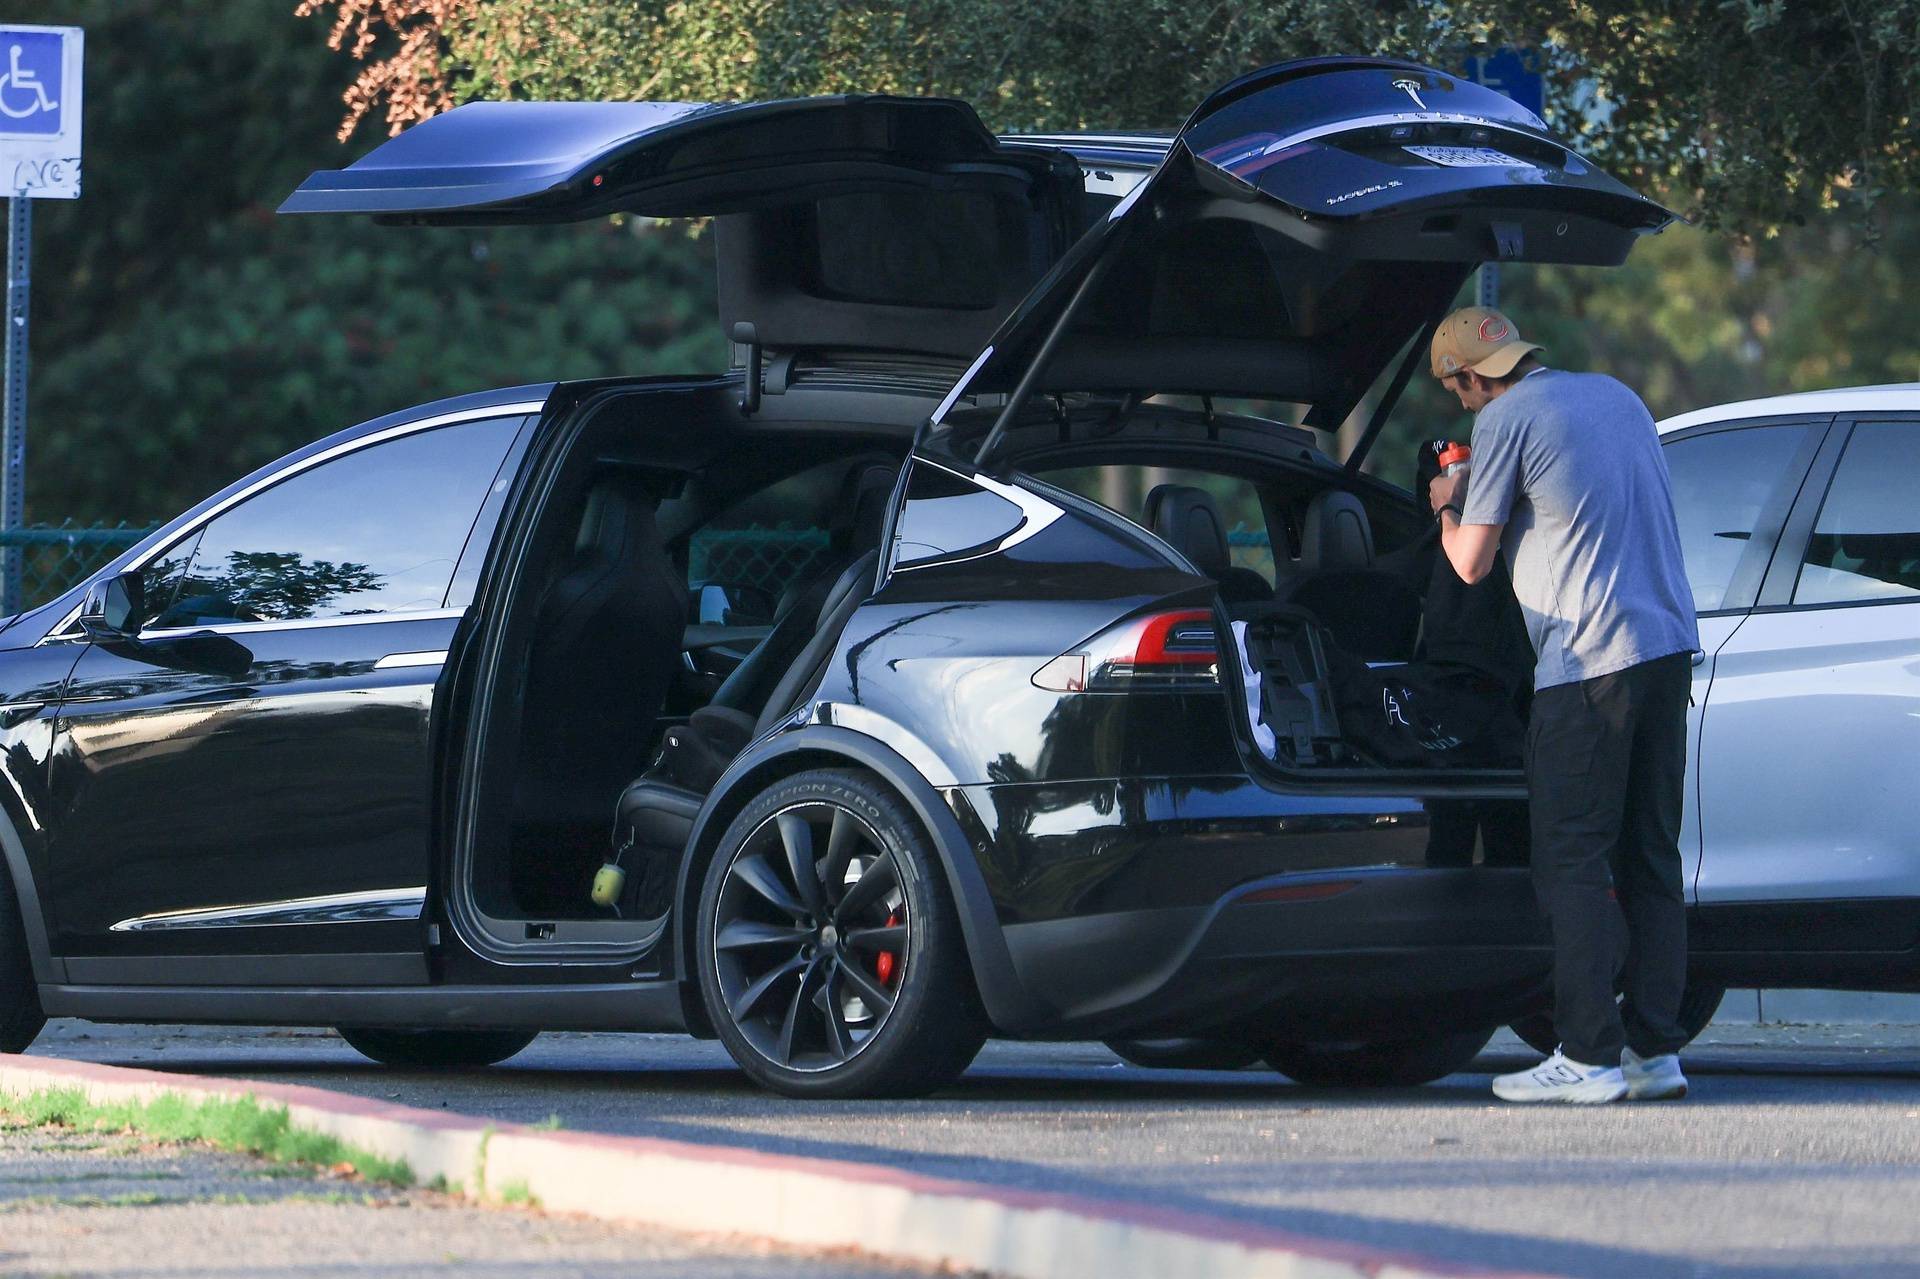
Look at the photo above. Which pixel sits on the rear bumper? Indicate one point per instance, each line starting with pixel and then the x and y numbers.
pixel 1327 954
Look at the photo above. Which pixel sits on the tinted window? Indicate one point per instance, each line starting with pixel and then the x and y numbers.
pixel 1124 489
pixel 1721 482
pixel 946 515
pixel 1866 540
pixel 376 531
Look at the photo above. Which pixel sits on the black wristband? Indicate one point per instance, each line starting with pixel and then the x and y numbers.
pixel 1457 512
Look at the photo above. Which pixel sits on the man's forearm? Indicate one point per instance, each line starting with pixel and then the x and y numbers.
pixel 1470 548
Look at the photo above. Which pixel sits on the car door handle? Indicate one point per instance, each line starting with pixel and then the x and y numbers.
pixel 1699 656
pixel 436 657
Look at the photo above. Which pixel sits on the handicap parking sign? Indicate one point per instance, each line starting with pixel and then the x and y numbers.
pixel 40 111
pixel 31 75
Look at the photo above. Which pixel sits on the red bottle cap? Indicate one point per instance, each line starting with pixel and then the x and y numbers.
pixel 1454 451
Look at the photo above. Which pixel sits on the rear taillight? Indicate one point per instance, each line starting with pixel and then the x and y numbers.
pixel 1161 652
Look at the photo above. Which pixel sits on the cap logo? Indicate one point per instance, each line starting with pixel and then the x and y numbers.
pixel 1494 329
pixel 1449 364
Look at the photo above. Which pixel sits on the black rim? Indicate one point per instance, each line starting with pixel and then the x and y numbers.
pixel 810 940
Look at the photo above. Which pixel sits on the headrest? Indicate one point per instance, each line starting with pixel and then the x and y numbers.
pixel 617 507
pixel 1187 519
pixel 1337 535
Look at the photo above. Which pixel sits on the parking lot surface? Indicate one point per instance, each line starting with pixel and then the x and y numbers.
pixel 1798 1153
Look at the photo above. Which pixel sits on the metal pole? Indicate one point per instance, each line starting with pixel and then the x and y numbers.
pixel 1490 284
pixel 13 440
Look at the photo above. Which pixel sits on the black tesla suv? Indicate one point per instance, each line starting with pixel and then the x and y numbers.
pixel 859 703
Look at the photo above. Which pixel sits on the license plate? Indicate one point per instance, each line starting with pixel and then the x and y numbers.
pixel 1466 157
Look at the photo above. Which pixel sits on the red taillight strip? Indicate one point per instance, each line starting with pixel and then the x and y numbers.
pixel 1156 637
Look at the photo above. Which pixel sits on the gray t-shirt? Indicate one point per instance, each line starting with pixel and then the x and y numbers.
pixel 1571 464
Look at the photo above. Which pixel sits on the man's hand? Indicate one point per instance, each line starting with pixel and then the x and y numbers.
pixel 1447 488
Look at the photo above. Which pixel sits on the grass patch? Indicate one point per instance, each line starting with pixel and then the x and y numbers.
pixel 517 1194
pixel 239 1124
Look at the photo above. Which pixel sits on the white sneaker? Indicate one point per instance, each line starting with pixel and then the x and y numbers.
pixel 1652 1078
pixel 1560 1078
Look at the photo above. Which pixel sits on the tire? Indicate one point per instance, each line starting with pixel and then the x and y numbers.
pixel 829 951
pixel 20 1015
pixel 436 1049
pixel 1380 1063
pixel 1698 1004
pixel 1184 1054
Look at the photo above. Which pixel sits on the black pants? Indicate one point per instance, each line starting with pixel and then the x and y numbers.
pixel 1606 769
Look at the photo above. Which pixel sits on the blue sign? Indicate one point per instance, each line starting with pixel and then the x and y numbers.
pixel 32 82
pixel 1514 72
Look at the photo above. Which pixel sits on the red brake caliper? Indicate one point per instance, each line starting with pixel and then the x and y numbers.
pixel 886 964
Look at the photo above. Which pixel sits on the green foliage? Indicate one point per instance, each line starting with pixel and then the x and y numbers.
pixel 1752 113
pixel 238 1124
pixel 183 334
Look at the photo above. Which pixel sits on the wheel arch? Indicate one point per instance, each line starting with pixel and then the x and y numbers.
pixel 47 969
pixel 1008 1003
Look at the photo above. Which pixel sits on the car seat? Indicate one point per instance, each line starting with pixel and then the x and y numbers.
pixel 1371 614
pixel 1188 519
pixel 606 644
pixel 748 686
pixel 655 815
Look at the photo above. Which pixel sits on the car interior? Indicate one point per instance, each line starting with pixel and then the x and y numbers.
pixel 618 663
pixel 1325 591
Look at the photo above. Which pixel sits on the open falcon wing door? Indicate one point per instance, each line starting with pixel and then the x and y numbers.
pixel 853 221
pixel 1309 221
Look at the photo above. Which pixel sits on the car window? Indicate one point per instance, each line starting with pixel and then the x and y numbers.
pixel 1721 483
pixel 375 531
pixel 1124 488
pixel 1866 539
pixel 770 539
pixel 947 515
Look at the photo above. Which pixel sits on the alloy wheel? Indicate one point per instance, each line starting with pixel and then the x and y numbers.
pixel 811 936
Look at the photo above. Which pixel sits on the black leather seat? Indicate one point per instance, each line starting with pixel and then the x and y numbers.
pixel 1188 519
pixel 606 645
pixel 1371 613
pixel 655 814
pixel 749 685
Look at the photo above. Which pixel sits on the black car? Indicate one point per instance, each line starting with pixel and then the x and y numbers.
pixel 471 722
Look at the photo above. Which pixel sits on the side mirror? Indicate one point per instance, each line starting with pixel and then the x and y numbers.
pixel 733 604
pixel 112 607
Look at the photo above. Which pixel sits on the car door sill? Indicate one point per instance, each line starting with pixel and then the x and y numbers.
pixel 391 968
pixel 653 1006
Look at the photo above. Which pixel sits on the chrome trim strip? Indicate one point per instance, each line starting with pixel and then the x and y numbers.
pixel 378 905
pixel 437 657
pixel 60 632
pixel 953 392
pixel 1037 514
pixel 303 623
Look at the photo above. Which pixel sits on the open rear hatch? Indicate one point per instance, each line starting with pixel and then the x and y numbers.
pixel 856 222
pixel 1309 221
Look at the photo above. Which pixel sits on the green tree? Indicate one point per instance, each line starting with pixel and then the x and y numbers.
pixel 1752 113
pixel 183 334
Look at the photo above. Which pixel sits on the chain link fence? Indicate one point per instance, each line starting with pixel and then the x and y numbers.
pixel 46 559
pixel 766 558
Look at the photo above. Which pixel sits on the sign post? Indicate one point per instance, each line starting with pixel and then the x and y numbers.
pixel 1516 73
pixel 39 160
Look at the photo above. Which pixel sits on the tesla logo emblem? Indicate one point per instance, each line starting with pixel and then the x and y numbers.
pixel 1412 89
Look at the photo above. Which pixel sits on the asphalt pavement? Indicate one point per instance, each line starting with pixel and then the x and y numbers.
pixel 1797 1154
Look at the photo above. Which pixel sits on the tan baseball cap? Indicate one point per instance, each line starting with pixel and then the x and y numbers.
pixel 1478 338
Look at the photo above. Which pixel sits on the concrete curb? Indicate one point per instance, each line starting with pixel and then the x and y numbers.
pixel 799 1201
